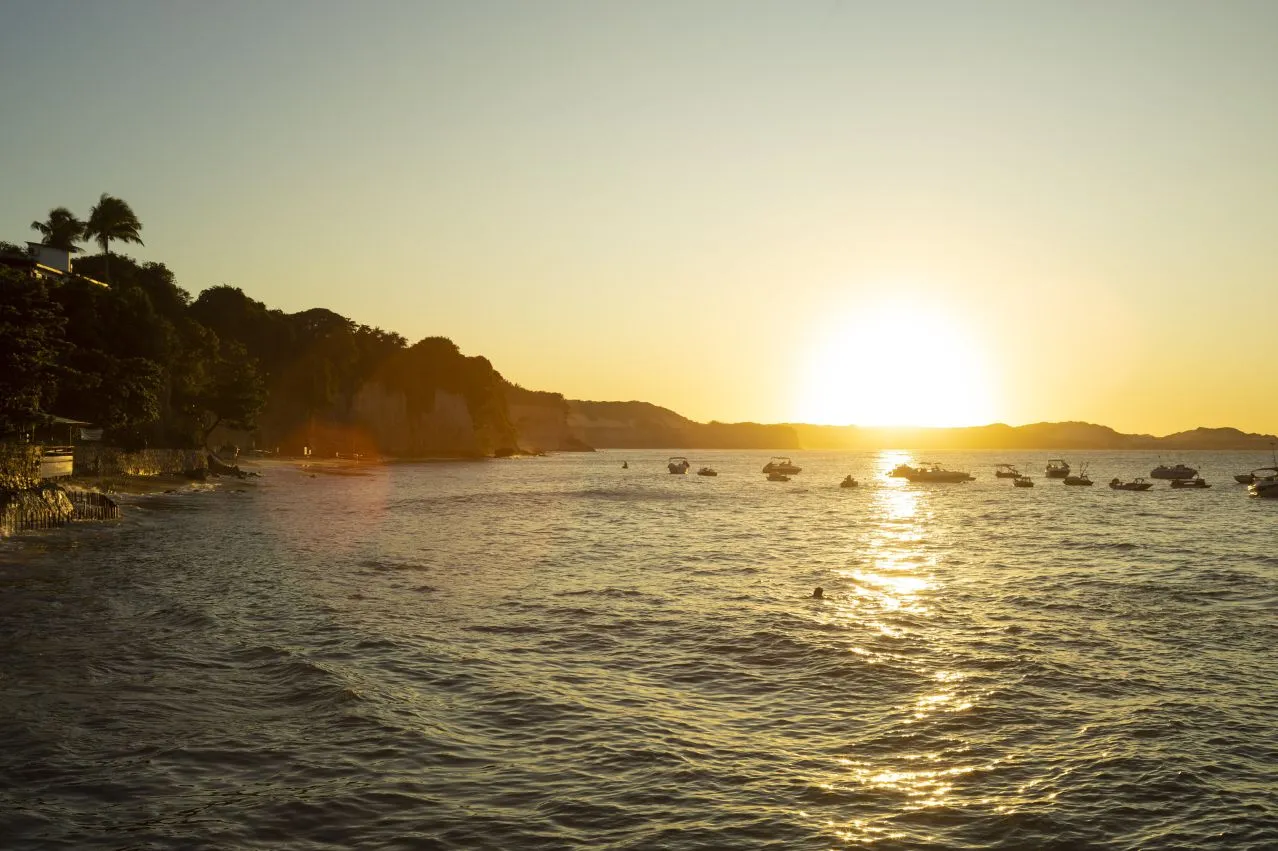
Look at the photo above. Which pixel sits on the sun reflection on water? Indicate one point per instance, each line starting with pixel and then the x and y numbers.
pixel 891 588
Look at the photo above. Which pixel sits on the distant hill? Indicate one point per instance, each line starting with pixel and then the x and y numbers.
pixel 640 425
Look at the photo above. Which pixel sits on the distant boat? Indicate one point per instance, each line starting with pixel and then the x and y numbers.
pixel 774 476
pixel 1080 480
pixel 1056 469
pixel 848 482
pixel 929 472
pixel 1189 483
pixel 781 465
pixel 1023 482
pixel 902 471
pixel 1180 471
pixel 1006 471
pixel 1137 484
pixel 625 465
pixel 678 465
pixel 706 471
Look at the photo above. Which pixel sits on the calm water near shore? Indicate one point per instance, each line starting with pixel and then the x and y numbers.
pixel 558 653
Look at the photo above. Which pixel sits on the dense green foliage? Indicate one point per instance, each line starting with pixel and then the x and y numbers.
pixel 153 367
pixel 30 332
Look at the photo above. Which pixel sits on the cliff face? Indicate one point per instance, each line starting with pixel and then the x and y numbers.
pixel 445 427
pixel 640 425
pixel 541 421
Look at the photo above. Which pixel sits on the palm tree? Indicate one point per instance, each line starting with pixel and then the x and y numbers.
pixel 112 218
pixel 62 230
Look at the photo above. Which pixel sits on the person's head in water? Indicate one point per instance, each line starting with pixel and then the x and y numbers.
pixel 819 593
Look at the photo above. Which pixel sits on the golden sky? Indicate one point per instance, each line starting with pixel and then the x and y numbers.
pixel 930 213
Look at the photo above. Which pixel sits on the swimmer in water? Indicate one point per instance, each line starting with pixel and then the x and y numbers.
pixel 819 593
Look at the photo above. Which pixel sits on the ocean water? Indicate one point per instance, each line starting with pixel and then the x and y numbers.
pixel 558 653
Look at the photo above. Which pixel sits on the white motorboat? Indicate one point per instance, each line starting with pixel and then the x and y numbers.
pixel 781 465
pixel 930 472
pixel 1056 469
pixel 1180 471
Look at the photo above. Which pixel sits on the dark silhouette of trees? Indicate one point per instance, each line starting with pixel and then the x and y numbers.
pixel 30 344
pixel 154 367
pixel 61 230
pixel 112 219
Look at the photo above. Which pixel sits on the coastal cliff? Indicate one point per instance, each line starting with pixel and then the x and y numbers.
pixel 541 420
pixel 430 399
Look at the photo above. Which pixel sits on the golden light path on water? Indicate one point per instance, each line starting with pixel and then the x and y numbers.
pixel 891 594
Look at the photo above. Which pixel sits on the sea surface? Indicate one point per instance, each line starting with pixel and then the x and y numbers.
pixel 555 653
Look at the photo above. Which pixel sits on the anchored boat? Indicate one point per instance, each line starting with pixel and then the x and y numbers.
pixel 1137 484
pixel 781 465
pixel 1180 471
pixel 930 472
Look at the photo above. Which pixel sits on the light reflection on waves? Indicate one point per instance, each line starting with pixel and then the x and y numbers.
pixel 545 654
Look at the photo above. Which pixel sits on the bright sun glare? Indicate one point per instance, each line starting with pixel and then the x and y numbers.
pixel 898 366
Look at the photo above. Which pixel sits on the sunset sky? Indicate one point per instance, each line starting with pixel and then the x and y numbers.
pixel 932 213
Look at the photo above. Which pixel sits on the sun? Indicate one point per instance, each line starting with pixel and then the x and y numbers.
pixel 898 366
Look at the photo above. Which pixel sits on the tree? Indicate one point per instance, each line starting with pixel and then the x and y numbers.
pixel 61 230
pixel 30 341
pixel 112 218
pixel 234 395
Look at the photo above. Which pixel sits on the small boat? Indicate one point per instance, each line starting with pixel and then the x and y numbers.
pixel 707 471
pixel 1189 483
pixel 1256 475
pixel 1180 471
pixel 625 465
pixel 848 482
pixel 1056 469
pixel 1137 484
pixel 678 465
pixel 931 472
pixel 1080 480
pixel 902 471
pixel 1023 482
pixel 781 465
pixel 1006 471
pixel 774 476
